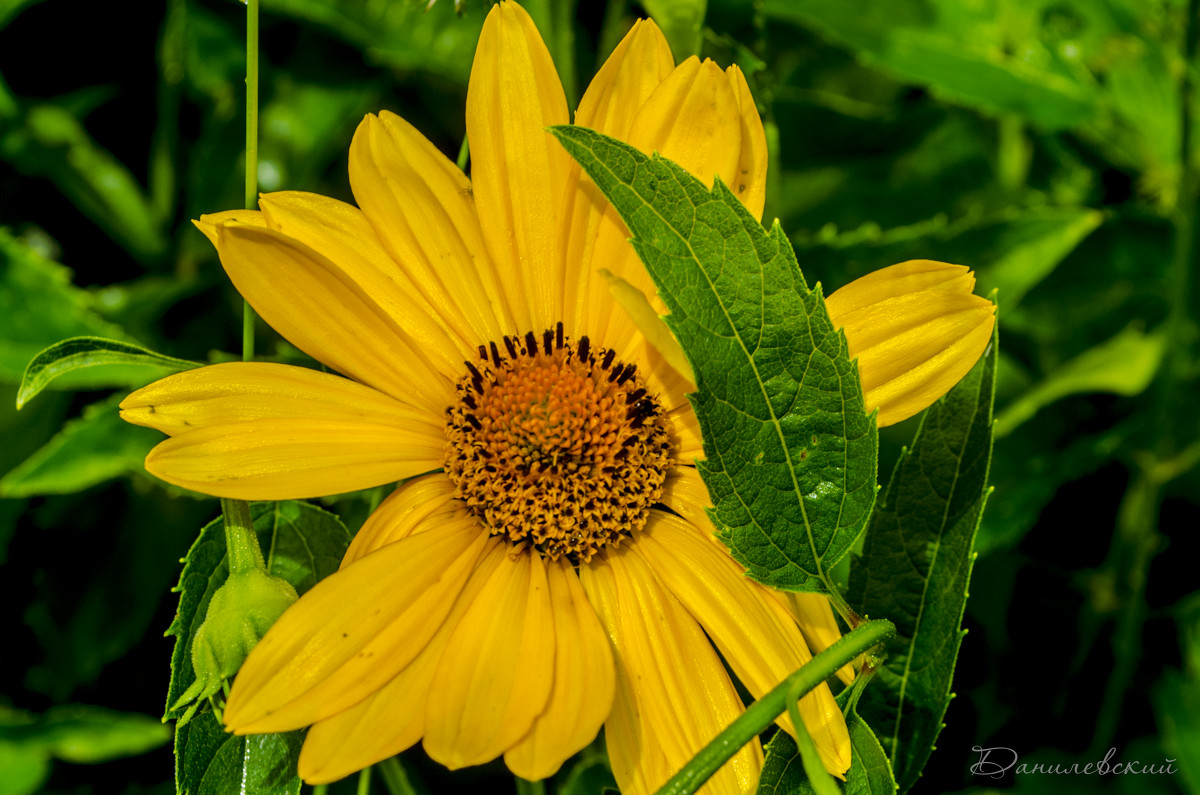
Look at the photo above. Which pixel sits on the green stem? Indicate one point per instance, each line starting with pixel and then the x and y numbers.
pixel 810 759
pixel 241 544
pixel 320 789
pixel 464 155
pixel 251 153
pixel 530 787
pixel 839 602
pixel 395 778
pixel 364 781
pixel 759 715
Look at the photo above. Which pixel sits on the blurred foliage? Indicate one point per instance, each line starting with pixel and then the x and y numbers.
pixel 1048 144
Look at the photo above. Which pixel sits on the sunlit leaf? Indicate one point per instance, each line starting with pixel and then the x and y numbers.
pixel 114 355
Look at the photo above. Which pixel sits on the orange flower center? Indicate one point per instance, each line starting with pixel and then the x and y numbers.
pixel 556 444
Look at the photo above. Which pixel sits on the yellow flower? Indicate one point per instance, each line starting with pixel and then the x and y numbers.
pixel 916 329
pixel 546 567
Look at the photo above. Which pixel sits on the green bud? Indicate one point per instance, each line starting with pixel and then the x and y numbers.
pixel 240 612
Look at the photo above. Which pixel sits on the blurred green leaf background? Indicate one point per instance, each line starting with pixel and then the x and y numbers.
pixel 1048 144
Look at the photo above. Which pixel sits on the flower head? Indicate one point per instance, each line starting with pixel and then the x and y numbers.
pixel 546 567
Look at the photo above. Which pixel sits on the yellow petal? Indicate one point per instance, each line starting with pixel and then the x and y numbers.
pixel 582 694
pixel 236 392
pixel 651 324
pixel 896 280
pixel 423 208
pixel 393 718
pixel 321 309
pixel 420 505
pixel 752 630
pixel 687 443
pixel 815 617
pixel 519 171
pixel 342 234
pixel 750 183
pixel 352 632
pixel 495 676
pixel 676 680
pixel 295 457
pixel 916 330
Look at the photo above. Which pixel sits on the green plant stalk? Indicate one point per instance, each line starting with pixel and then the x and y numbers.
pixel 759 715
pixel 464 155
pixel 240 541
pixel 241 544
pixel 818 776
pixel 394 777
pixel 530 787
pixel 364 781
pixel 251 153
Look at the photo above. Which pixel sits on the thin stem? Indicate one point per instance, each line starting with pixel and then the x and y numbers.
pixel 814 768
pixel 364 781
pixel 839 602
pixel 395 778
pixel 251 153
pixel 320 789
pixel 530 787
pixel 241 544
pixel 759 715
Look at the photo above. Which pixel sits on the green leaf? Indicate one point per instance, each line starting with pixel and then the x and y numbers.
pixel 961 52
pixel 1124 365
pixel 208 761
pixel 916 567
pixel 791 452
pixel 79 352
pixel 74 733
pixel 91 449
pixel 304 545
pixel 869 773
pixel 40 306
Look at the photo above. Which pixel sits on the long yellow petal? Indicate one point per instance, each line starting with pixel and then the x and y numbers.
pixel 208 223
pixel 674 682
pixel 423 208
pixel 420 505
pixel 393 718
pixel 752 630
pixel 895 280
pixel 294 458
pixel 352 632
pixel 519 172
pixel 496 673
pixel 235 392
pixel 584 680
pixel 323 311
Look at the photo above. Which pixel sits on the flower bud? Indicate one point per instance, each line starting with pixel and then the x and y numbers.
pixel 240 612
pixel 916 329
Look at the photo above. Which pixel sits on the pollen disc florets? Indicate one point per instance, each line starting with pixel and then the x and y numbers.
pixel 556 443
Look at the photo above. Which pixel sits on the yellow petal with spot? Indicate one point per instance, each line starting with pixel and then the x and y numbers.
pixel 420 505
pixel 423 208
pixel 236 392
pixel 320 308
pixel 752 630
pixel 208 223
pixel 581 696
pixel 675 682
pixel 393 718
pixel 496 673
pixel 352 632
pixel 519 172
